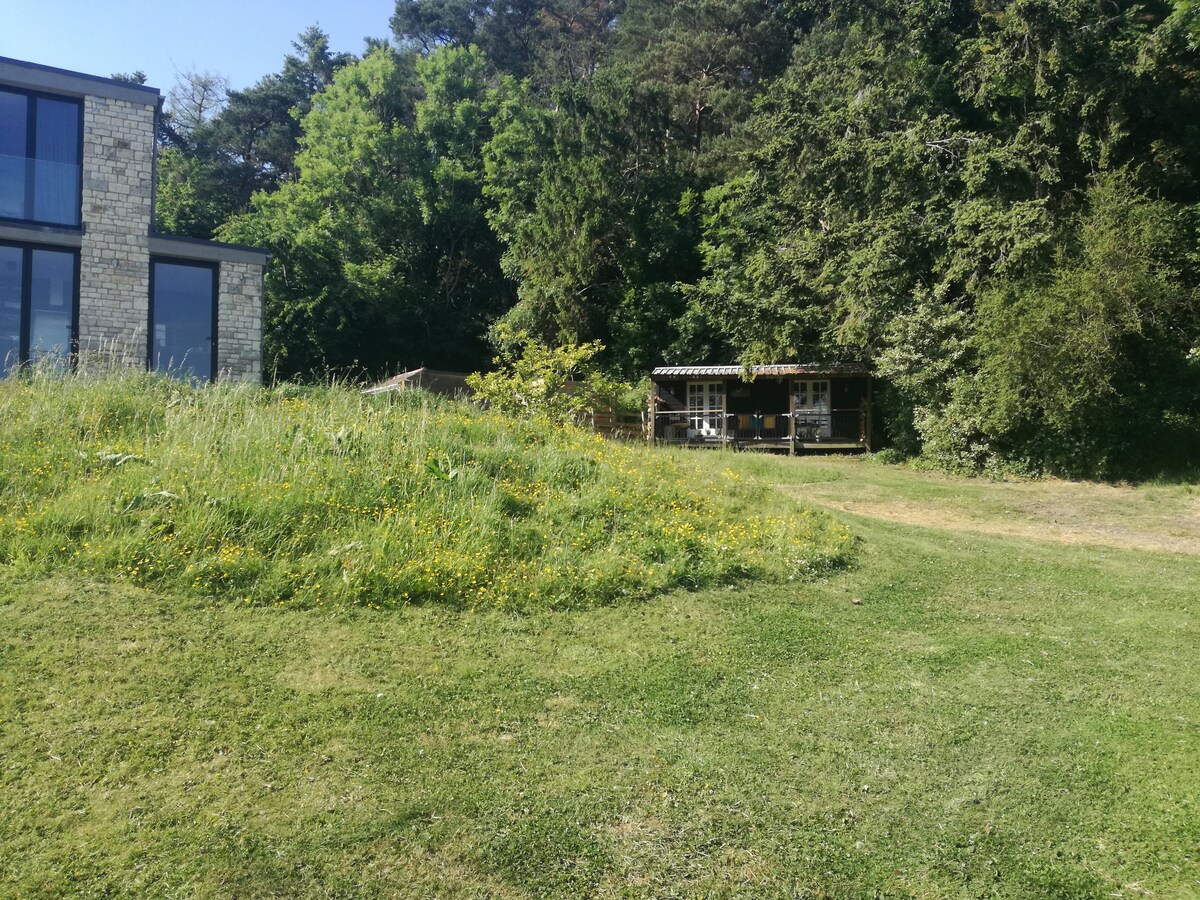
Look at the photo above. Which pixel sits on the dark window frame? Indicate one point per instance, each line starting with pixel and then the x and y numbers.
pixel 31 150
pixel 27 249
pixel 213 267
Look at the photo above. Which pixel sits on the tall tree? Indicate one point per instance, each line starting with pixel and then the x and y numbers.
pixel 843 208
pixel 917 163
pixel 591 205
pixel 135 77
pixel 195 99
pixel 259 130
pixel 710 56
pixel 380 247
pixel 549 41
pixel 220 160
pixel 427 25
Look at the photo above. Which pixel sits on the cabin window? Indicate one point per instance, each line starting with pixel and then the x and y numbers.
pixel 706 407
pixel 811 401
pixel 812 395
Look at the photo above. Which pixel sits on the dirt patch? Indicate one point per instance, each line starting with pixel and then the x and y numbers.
pixel 315 679
pixel 1039 520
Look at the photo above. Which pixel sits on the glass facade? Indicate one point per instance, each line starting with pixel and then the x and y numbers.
pixel 183 320
pixel 40 146
pixel 14 144
pixel 51 306
pixel 12 269
pixel 38 299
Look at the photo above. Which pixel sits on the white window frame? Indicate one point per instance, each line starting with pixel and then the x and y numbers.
pixel 810 400
pixel 706 408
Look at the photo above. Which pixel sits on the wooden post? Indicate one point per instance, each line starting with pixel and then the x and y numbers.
pixel 867 416
pixel 725 418
pixel 653 404
pixel 791 417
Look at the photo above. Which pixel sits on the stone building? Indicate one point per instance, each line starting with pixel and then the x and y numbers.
pixel 84 277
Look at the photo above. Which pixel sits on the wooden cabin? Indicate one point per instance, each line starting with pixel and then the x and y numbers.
pixel 788 407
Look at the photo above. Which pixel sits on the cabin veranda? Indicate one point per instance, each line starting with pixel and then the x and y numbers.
pixel 771 407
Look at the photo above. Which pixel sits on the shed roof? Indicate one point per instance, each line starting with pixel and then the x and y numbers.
pixel 432 380
pixel 769 371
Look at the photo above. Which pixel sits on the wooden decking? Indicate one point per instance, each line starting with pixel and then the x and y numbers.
pixel 845 430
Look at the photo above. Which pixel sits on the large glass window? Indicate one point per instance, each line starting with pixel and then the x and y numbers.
pixel 183 321
pixel 37 306
pixel 51 306
pixel 39 158
pixel 12 269
pixel 56 190
pixel 14 146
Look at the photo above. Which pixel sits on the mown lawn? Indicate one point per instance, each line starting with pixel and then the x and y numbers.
pixel 1001 715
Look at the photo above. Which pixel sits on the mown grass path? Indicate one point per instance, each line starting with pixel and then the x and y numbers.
pixel 1000 716
pixel 1157 517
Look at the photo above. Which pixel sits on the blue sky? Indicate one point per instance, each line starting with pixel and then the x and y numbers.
pixel 240 39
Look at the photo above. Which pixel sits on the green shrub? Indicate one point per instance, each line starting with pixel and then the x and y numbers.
pixel 560 384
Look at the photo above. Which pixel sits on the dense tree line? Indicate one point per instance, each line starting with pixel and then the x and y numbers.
pixel 992 202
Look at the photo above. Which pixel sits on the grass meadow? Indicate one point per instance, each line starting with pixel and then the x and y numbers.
pixel 992 693
pixel 317 497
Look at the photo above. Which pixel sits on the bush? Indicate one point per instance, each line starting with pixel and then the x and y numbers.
pixel 558 384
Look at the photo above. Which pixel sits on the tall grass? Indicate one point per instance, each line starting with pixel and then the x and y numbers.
pixel 322 496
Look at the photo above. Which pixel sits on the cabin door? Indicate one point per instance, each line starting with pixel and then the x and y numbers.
pixel 706 408
pixel 810 402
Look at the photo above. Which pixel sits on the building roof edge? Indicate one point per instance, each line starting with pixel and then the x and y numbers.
pixel 38 77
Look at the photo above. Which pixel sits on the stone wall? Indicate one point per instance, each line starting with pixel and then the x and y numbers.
pixel 239 322
pixel 115 253
pixel 118 189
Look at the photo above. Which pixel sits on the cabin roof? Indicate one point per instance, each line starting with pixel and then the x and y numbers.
pixel 769 371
